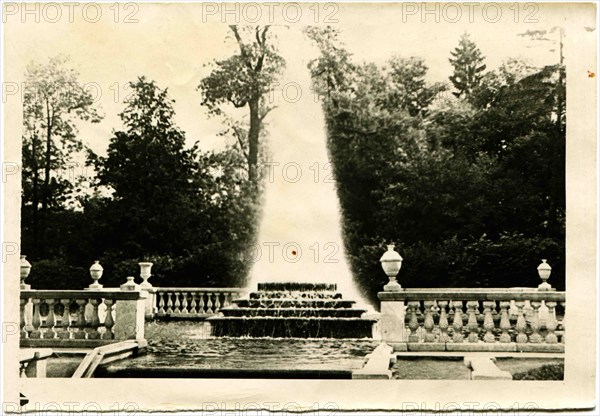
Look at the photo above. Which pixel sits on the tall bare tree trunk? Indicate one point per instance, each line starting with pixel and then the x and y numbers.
pixel 46 188
pixel 35 197
pixel 253 136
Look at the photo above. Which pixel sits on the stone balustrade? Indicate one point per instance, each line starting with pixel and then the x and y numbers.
pixel 80 318
pixel 192 302
pixel 464 319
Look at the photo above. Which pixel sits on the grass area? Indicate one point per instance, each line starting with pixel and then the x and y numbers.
pixel 546 372
pixel 533 368
pixel 429 368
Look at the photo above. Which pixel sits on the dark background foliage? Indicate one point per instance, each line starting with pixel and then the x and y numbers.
pixel 470 187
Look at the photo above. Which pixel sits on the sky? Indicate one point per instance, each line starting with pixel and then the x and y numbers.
pixel 173 43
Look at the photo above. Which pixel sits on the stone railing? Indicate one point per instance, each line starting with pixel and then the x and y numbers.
pixel 464 319
pixel 192 302
pixel 81 318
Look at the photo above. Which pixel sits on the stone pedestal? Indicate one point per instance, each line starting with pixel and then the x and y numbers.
pixel 150 302
pixel 484 368
pixel 129 318
pixel 392 322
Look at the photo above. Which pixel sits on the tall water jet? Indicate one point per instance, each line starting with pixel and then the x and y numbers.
pixel 300 237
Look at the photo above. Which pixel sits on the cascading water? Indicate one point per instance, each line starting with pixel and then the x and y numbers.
pixel 300 238
pixel 302 283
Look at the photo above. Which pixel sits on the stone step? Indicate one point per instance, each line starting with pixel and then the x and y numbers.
pixel 279 294
pixel 294 312
pixel 294 303
pixel 296 286
pixel 292 327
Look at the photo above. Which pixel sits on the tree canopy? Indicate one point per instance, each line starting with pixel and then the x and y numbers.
pixel 471 189
pixel 243 80
pixel 467 61
pixel 54 101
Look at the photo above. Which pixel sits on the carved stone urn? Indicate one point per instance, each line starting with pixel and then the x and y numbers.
pixel 391 262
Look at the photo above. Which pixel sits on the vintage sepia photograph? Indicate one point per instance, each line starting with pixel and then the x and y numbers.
pixel 299 207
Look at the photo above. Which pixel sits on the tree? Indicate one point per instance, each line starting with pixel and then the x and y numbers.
pixel 147 167
pixel 467 61
pixel 192 212
pixel 540 38
pixel 408 87
pixel 333 70
pixel 470 190
pixel 243 80
pixel 54 101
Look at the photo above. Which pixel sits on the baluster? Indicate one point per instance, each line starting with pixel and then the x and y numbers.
pixel 521 322
pixel 177 304
pixel 472 324
pixel 109 321
pixel 65 320
pixel 94 322
pixel 169 303
pixel 562 323
pixel 226 299
pixel 488 320
pixel 23 332
pixel 36 320
pixel 161 303
pixel 413 324
pixel 184 303
pixel 81 304
pixel 443 323
pixel 535 336
pixel 217 302
pixel 51 320
pixel 504 322
pixel 551 337
pixel 458 321
pixel 209 303
pixel 428 323
pixel 201 304
pixel 193 304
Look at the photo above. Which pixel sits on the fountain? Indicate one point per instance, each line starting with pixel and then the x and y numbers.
pixel 301 269
pixel 293 310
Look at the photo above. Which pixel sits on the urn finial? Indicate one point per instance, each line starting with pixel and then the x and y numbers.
pixel 391 262
pixel 544 271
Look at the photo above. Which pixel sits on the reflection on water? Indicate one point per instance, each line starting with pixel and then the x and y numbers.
pixel 185 344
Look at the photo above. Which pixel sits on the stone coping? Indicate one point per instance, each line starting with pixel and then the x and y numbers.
pixel 201 289
pixel 115 294
pixel 64 343
pixel 466 347
pixel 288 318
pixel 460 294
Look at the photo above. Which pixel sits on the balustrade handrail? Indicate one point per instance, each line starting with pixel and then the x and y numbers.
pixel 115 294
pixel 201 289
pixel 471 294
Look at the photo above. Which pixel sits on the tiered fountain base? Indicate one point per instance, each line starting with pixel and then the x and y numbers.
pixel 293 310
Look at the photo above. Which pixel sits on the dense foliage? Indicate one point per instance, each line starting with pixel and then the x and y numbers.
pixel 470 188
pixel 192 213
pixel 54 100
